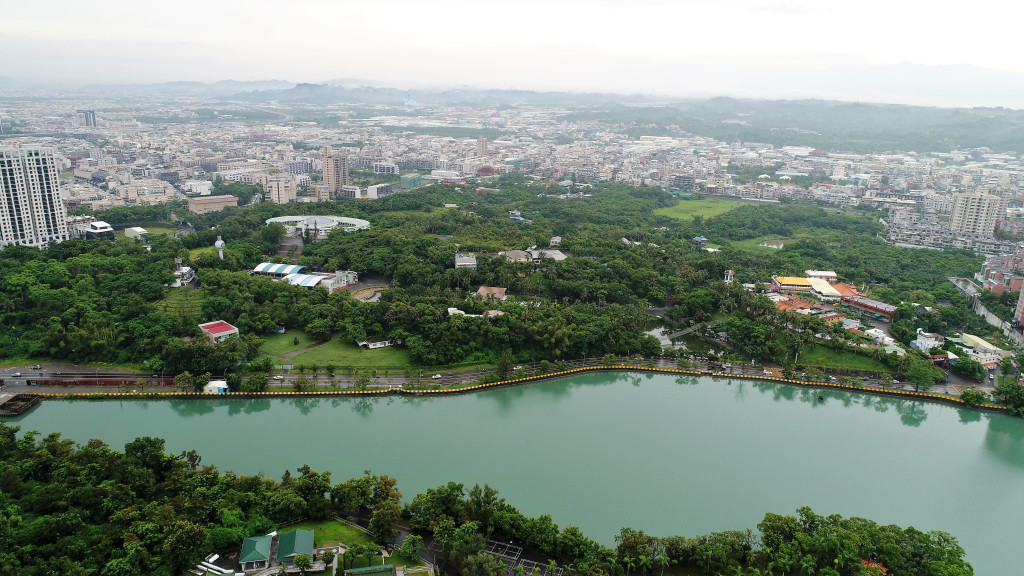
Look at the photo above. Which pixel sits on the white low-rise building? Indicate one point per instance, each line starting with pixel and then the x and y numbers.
pixel 216 387
pixel 331 281
pixel 927 340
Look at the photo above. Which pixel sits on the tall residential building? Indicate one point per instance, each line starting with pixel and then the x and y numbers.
pixel 976 213
pixel 481 146
pixel 1018 314
pixel 280 189
pixel 335 170
pixel 88 117
pixel 31 210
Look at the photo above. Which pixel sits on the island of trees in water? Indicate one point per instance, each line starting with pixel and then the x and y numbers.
pixel 83 510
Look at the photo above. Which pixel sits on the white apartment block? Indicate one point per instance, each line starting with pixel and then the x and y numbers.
pixel 977 213
pixel 385 168
pixel 31 210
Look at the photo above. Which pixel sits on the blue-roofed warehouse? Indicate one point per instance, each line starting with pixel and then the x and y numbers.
pixel 278 271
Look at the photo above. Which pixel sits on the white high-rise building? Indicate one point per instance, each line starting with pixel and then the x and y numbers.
pixel 31 210
pixel 977 213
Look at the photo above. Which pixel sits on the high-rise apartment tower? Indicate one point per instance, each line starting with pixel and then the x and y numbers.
pixel 335 170
pixel 31 210
pixel 88 117
pixel 975 213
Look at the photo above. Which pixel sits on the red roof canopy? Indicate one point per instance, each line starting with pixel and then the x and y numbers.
pixel 217 327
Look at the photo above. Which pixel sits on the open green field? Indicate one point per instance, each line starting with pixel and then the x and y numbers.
pixel 331 533
pixel 753 244
pixel 823 357
pixel 278 344
pixel 333 352
pixel 345 354
pixel 707 208
pixel 153 230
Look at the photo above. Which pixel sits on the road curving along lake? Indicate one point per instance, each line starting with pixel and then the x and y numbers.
pixel 664 454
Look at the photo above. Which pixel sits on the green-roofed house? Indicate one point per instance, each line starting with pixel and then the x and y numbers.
pixel 291 544
pixel 255 552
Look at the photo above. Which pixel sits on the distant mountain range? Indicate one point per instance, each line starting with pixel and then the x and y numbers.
pixel 904 83
pixel 221 89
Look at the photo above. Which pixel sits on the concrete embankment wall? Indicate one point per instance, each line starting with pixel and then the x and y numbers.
pixel 514 382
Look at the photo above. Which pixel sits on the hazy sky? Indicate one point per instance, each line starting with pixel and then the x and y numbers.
pixel 680 47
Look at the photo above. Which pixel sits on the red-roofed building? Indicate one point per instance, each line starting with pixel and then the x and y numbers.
pixel 846 289
pixel 491 293
pixel 217 330
pixel 874 567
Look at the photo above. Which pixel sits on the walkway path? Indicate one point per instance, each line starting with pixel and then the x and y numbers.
pixel 298 351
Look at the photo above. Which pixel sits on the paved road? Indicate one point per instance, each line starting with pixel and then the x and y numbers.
pixel 73 373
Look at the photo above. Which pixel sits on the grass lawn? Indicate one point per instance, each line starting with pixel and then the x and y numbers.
pixel 332 533
pixel 159 230
pixel 177 299
pixel 278 344
pixel 197 251
pixel 707 208
pixel 823 357
pixel 753 244
pixel 334 352
pixel 345 354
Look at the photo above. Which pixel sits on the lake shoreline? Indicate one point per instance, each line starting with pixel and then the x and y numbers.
pixel 399 390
